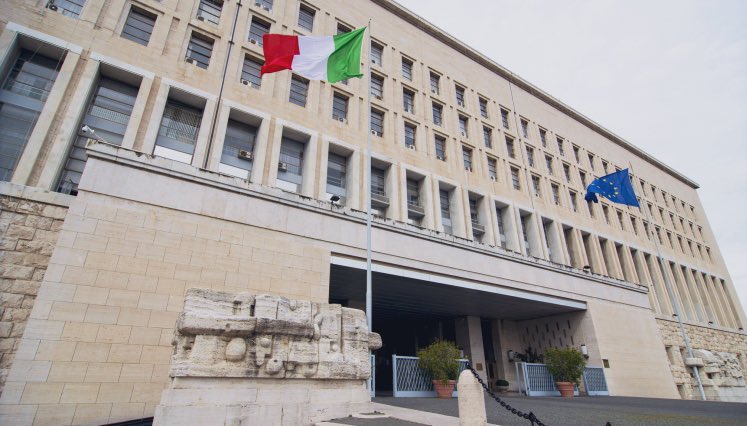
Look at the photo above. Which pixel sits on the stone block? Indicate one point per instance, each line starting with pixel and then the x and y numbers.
pixel 91 413
pixel 80 393
pixel 42 393
pixel 67 372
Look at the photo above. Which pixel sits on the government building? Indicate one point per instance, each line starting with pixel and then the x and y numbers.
pixel 141 154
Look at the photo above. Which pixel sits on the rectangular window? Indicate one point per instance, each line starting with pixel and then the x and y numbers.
pixel 605 166
pixel 591 161
pixel 606 214
pixel 407 69
pixel 492 168
pixel 621 219
pixel 408 101
pixel 291 161
pixel 199 50
pixel 342 29
pixel 264 4
pixel 582 175
pixel 377 86
pixel 437 114
pixel 487 136
pixel 530 156
pixel 70 8
pixel 377 122
pixel 257 29
pixel 524 128
pixel 209 11
pixel 139 26
pixel 543 137
pixel 306 18
pixel 634 225
pixel 337 169
pixel 576 152
pixel 250 72
pixel 413 193
pixel 467 158
pixel 108 114
pixel 24 92
pixel 555 194
pixel 238 146
pixel 473 212
pixel 548 163
pixel 510 147
pixel 536 186
pixel 574 201
pixel 377 52
pixel 179 127
pixel 463 126
pixel 299 89
pixel 443 197
pixel 378 181
pixel 515 182
pixel 484 107
pixel 459 91
pixel 561 147
pixel 409 135
pixel 339 107
pixel 504 118
pixel 434 79
pixel 440 148
pixel 567 172
pixel 499 212
pixel 590 208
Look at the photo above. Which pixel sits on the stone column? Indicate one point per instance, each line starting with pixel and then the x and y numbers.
pixel 469 338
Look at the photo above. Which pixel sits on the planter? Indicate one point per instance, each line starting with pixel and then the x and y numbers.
pixel 566 389
pixel 502 389
pixel 444 390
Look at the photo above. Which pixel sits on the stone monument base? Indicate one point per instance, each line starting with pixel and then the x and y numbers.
pixel 266 402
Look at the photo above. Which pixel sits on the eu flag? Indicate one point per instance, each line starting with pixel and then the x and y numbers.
pixel 615 187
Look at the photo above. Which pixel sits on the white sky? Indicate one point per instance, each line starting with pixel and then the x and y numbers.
pixel 669 76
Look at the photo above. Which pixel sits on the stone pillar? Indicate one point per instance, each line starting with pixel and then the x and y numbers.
pixel 469 339
pixel 471 401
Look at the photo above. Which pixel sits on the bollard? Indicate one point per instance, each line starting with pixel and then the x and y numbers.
pixel 471 401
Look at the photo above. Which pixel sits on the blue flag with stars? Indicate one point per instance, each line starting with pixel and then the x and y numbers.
pixel 615 187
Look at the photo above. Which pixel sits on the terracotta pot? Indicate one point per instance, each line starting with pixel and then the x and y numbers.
pixel 566 389
pixel 444 391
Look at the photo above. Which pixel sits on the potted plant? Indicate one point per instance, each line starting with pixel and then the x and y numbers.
pixel 566 366
pixel 440 361
pixel 501 385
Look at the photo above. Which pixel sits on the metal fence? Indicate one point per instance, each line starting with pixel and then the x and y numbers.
pixel 536 380
pixel 594 381
pixel 371 383
pixel 408 380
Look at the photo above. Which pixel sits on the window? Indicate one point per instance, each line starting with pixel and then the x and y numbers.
pixel 492 168
pixel 524 128
pixel 179 127
pixel 298 90
pixel 407 69
pixel 238 145
pixel 250 71
pixel 413 200
pixel 378 181
pixel 437 114
pixel 510 147
pixel 484 107
pixel 561 147
pixel 337 169
pixel 504 118
pixel 377 86
pixel 590 208
pixel 108 114
pixel 440 143
pixel 377 122
pixel 576 151
pixel 443 198
pixel 257 29
pixel 536 186
pixel 530 156
pixel 621 219
pixel 209 11
pixel 24 92
pixel 487 136
pixel 459 95
pixel 139 26
pixel 591 161
pixel 515 182
pixel 555 194
pixel 339 107
pixel 291 162
pixel 634 225
pixel 199 50
pixel 474 217
pixel 463 126
pixel 574 201
pixel 408 101
pixel 264 4
pixel 582 175
pixel 548 163
pixel 499 212
pixel 543 137
pixel 606 214
pixel 409 135
pixel 377 51
pixel 434 78
pixel 467 158
pixel 647 231
pixel 605 165
pixel 306 18
pixel 567 172
pixel 342 29
pixel 70 8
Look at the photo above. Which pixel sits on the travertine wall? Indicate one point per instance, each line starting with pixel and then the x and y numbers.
pixel 30 221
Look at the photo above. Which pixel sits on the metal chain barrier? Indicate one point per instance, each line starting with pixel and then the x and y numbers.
pixel 529 416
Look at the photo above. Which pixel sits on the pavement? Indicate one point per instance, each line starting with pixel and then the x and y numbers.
pixel 560 411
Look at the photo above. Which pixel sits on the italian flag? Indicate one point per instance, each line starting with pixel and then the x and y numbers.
pixel 330 58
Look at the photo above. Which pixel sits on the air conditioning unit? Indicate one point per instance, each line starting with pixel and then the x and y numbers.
pixel 340 119
pixel 469 169
pixel 246 155
pixel 375 61
pixel 200 16
pixel 460 103
pixel 283 167
pixel 408 109
pixel 189 60
pixel 246 83
pixel 437 122
pixel 262 6
pixel 493 178
pixel 253 40
pixel 379 97
pixel 464 134
pixel 51 6
pixel 441 157
pixel 375 133
pixel 412 147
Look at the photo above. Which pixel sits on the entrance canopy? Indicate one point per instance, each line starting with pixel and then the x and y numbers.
pixel 401 292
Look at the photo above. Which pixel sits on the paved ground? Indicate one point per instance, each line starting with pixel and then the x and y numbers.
pixel 580 411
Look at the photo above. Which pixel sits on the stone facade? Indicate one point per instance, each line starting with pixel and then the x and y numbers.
pixel 243 348
pixel 723 355
pixel 30 222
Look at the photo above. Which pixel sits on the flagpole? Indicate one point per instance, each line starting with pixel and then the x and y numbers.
pixel 672 297
pixel 369 293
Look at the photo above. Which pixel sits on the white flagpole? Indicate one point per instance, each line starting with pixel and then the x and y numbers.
pixel 672 298
pixel 369 295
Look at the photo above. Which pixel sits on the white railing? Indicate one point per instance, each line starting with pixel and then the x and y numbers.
pixel 408 380
pixel 536 380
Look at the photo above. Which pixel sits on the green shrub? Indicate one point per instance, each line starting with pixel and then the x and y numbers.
pixel 440 360
pixel 565 364
pixel 501 382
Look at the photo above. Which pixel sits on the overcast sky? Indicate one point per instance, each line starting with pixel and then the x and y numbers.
pixel 668 76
